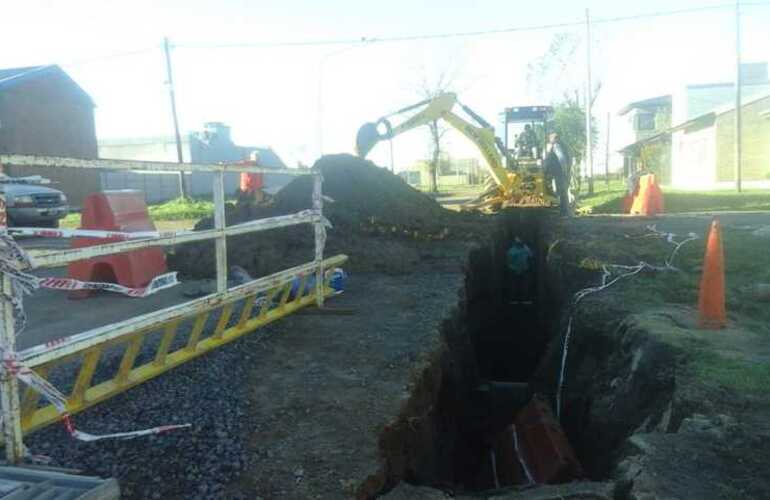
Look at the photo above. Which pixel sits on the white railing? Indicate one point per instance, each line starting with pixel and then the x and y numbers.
pixel 90 343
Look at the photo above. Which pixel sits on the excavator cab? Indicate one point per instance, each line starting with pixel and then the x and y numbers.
pixel 525 134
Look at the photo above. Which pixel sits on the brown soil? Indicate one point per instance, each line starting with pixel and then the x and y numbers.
pixel 357 405
pixel 381 222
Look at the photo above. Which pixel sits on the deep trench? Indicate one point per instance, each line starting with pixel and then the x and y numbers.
pixel 473 388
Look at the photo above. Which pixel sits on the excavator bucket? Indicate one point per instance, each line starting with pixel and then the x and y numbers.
pixel 366 139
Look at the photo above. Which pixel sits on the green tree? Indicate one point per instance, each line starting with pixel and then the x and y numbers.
pixel 569 121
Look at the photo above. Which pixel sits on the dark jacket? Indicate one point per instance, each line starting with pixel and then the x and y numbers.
pixel 557 161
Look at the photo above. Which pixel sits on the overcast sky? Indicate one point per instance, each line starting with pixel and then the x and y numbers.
pixel 270 96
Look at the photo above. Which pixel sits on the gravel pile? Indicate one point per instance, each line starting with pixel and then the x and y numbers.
pixel 197 463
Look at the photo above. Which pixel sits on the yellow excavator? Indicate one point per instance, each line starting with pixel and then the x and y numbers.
pixel 513 182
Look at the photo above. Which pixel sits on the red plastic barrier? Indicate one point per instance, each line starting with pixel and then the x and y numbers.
pixel 544 446
pixel 116 211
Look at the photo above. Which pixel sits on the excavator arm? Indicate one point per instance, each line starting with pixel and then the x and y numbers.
pixel 440 108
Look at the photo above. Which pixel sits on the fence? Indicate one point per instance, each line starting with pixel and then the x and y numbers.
pixel 237 311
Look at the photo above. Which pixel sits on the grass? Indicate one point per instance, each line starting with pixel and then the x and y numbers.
pixel 174 214
pixel 738 364
pixel 740 375
pixel 181 209
pixel 609 200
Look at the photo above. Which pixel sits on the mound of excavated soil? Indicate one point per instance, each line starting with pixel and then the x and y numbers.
pixel 381 222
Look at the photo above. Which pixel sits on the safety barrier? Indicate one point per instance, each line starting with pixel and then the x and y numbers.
pixel 231 312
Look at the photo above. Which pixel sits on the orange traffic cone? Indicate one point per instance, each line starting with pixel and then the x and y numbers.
pixel 649 199
pixel 656 197
pixel 711 300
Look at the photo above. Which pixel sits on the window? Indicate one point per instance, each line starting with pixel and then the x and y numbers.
pixel 645 121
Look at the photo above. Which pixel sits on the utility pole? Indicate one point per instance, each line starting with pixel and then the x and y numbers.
pixel 589 145
pixel 738 124
pixel 170 83
pixel 607 155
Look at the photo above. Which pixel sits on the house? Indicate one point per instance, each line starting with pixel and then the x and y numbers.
pixel 213 144
pixel 45 112
pixel 451 172
pixel 645 124
pixel 691 143
pixel 703 148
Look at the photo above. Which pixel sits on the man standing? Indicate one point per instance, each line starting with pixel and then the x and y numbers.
pixel 557 168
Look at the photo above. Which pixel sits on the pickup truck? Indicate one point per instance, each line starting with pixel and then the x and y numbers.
pixel 34 205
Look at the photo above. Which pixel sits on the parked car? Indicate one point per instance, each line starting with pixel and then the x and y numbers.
pixel 34 205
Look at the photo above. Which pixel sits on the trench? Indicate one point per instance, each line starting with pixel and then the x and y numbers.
pixel 496 346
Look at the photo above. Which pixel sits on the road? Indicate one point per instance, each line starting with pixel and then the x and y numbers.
pixel 51 315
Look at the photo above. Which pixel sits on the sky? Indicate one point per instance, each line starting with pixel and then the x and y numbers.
pixel 308 99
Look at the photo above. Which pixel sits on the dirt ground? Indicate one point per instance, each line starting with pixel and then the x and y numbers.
pixel 693 403
pixel 683 411
pixel 327 385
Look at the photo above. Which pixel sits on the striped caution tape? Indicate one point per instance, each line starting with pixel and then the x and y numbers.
pixel 158 283
pixel 13 262
pixel 13 367
pixel 86 233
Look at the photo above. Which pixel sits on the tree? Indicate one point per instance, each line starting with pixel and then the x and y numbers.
pixel 557 78
pixel 554 74
pixel 569 121
pixel 429 89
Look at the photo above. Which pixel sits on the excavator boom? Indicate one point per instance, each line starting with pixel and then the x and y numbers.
pixel 512 188
pixel 439 108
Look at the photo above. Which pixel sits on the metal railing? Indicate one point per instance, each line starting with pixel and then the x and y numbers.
pixel 232 312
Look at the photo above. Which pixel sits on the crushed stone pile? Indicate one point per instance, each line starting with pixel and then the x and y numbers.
pixel 380 221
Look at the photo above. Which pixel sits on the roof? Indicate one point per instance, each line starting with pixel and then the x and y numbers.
pixel 699 122
pixel 661 136
pixel 139 141
pixel 724 84
pixel 754 99
pixel 652 102
pixel 10 77
pixel 268 158
pixel 13 76
pixel 707 119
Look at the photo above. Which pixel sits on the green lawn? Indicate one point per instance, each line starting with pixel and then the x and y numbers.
pixel 174 214
pixel 609 201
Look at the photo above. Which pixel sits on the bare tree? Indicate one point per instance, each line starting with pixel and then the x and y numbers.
pixel 428 89
pixel 557 77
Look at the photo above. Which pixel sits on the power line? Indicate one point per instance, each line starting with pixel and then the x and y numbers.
pixel 463 34
pixel 107 57
pixel 363 40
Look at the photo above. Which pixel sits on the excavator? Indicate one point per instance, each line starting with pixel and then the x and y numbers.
pixel 513 182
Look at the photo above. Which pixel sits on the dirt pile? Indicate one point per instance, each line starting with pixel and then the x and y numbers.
pixel 381 222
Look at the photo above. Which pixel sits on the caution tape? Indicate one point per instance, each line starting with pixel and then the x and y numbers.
pixel 86 233
pixel 157 284
pixel 13 367
pixel 13 263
